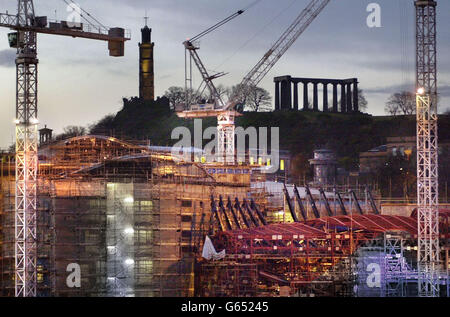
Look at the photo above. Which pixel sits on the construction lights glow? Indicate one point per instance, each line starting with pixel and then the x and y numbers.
pixel 34 121
pixel 421 91
pixel 129 231
pixel 129 200
pixel 129 261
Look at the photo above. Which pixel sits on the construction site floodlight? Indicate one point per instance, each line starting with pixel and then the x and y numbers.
pixel 129 200
pixel 129 231
pixel 129 261
pixel 421 91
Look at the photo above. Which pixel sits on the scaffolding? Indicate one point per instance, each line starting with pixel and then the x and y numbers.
pixel 228 279
pixel 356 255
pixel 133 219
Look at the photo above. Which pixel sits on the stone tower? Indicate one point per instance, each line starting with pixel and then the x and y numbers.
pixel 146 64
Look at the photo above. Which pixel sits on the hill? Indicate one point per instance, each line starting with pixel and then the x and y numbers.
pixel 300 132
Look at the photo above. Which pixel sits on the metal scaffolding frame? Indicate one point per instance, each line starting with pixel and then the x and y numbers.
pixel 26 155
pixel 427 149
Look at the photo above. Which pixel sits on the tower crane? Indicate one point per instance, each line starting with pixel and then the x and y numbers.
pixel 427 149
pixel 226 113
pixel 26 26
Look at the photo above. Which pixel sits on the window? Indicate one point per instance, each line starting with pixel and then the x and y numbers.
pixel 186 203
pixel 186 218
pixel 186 234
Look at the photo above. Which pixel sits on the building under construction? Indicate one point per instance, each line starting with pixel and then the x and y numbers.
pixel 132 218
pixel 135 218
pixel 142 221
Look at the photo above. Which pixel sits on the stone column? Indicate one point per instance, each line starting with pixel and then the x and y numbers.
pixel 286 95
pixel 305 96
pixel 343 99
pixel 296 96
pixel 355 96
pixel 315 98
pixel 349 98
pixel 335 98
pixel 277 95
pixel 325 97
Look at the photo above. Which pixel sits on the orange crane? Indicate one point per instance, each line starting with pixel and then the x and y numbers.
pixel 26 26
pixel 226 113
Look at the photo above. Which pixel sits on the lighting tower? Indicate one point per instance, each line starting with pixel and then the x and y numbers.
pixel 27 25
pixel 427 149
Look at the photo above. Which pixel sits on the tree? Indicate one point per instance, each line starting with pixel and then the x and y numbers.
pixel 73 131
pixel 362 101
pixel 259 99
pixel 402 103
pixel 176 96
pixel 252 98
pixel 103 126
pixel 223 91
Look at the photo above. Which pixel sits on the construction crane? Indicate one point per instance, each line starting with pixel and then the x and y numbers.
pixel 26 26
pixel 427 149
pixel 227 113
pixel 192 48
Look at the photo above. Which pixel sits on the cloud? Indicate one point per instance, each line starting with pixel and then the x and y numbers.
pixel 444 90
pixel 390 89
pixel 7 58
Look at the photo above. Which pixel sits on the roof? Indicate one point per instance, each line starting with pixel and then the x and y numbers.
pixel 371 223
pixel 285 229
pixel 319 228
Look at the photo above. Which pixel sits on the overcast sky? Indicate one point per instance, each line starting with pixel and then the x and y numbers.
pixel 79 83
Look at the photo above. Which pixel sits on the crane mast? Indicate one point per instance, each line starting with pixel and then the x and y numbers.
pixel 427 150
pixel 27 27
pixel 26 155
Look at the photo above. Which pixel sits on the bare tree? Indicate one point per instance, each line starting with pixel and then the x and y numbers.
pixel 222 91
pixel 251 98
pixel 259 99
pixel 73 131
pixel 402 103
pixel 176 96
pixel 104 126
pixel 362 101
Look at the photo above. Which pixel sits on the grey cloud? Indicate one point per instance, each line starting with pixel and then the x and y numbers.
pixel 444 90
pixel 390 89
pixel 7 58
